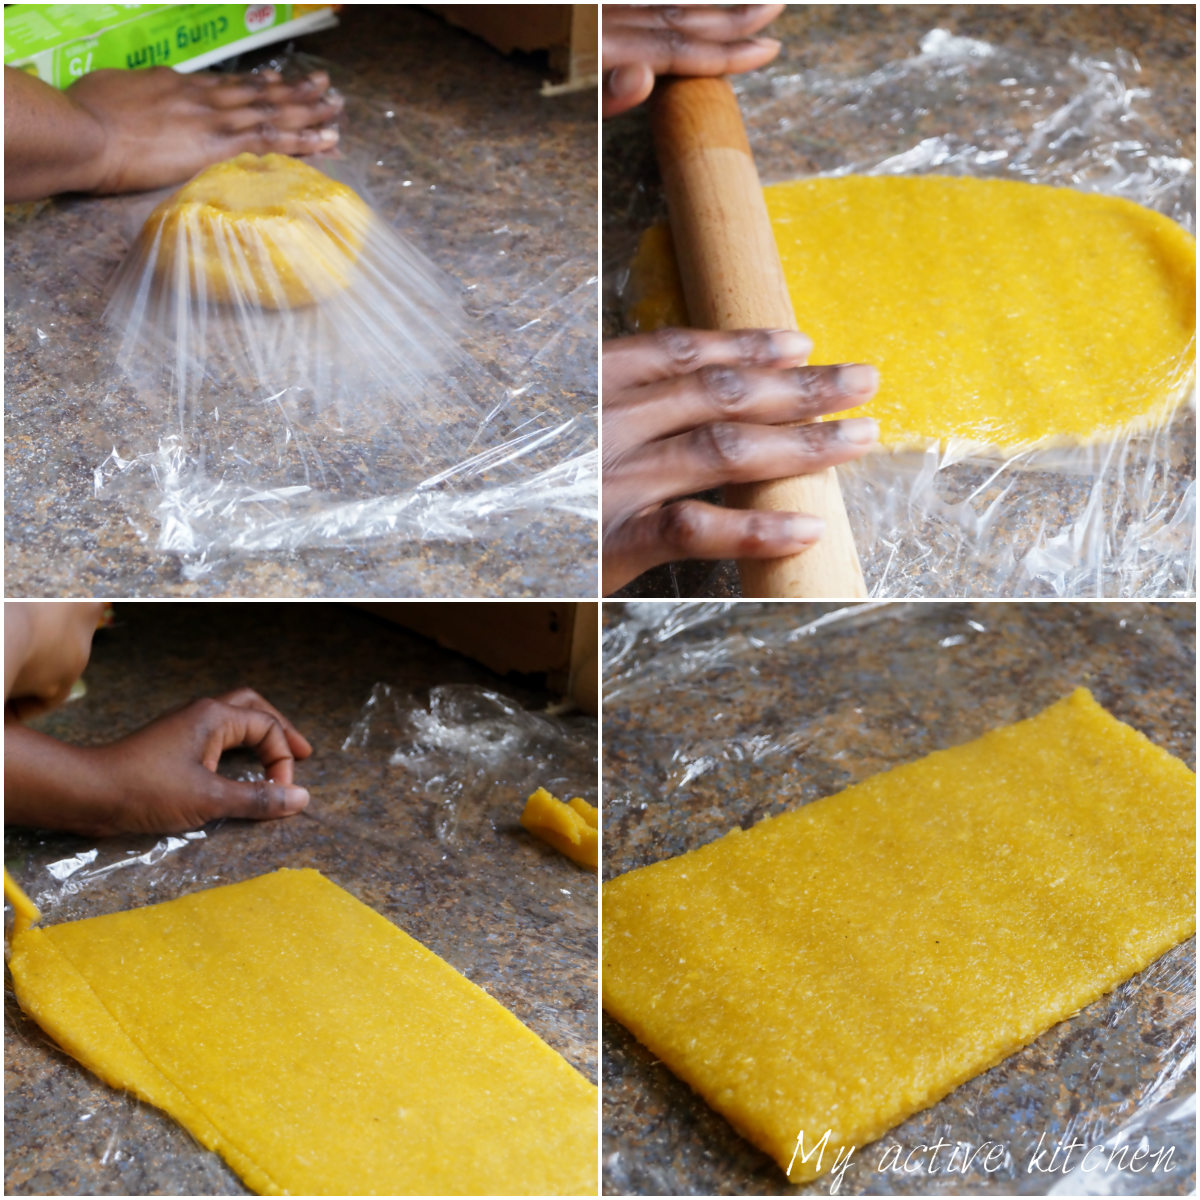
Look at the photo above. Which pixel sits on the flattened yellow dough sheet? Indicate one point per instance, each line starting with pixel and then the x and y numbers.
pixel 845 965
pixel 318 1048
pixel 1000 314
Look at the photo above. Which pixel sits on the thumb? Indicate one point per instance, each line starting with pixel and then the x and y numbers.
pixel 256 800
pixel 626 87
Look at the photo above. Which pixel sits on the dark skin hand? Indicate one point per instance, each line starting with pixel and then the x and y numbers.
pixel 161 779
pixel 131 131
pixel 640 42
pixel 687 410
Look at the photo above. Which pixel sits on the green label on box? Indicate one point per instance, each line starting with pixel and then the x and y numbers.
pixel 61 42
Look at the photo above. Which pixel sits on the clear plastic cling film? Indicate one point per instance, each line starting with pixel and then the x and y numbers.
pixel 1112 518
pixel 282 367
pixel 724 713
pixel 466 745
pixel 448 770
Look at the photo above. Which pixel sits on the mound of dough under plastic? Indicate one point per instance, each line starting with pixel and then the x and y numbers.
pixel 270 231
pixel 318 1048
pixel 264 306
pixel 1001 314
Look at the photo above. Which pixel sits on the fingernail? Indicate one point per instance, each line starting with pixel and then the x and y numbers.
pixel 328 134
pixel 801 528
pixel 790 344
pixel 625 81
pixel 861 431
pixel 767 43
pixel 857 379
pixel 295 798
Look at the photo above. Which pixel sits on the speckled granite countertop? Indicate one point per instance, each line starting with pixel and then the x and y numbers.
pixel 494 181
pixel 853 40
pixel 445 859
pixel 751 712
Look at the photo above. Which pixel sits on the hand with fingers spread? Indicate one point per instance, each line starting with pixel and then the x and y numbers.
pixel 641 41
pixel 129 131
pixel 689 410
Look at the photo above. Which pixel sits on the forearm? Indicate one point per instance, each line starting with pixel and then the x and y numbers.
pixel 51 785
pixel 51 144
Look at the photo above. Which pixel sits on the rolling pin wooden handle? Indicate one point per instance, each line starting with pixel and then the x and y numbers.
pixel 733 279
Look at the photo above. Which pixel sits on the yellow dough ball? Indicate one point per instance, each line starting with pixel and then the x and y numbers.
pixel 268 231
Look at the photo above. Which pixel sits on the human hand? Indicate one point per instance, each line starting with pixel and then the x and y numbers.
pixel 160 127
pixel 161 779
pixel 641 41
pixel 687 410
pixel 129 131
pixel 46 647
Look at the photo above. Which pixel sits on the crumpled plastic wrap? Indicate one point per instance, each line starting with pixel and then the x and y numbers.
pixel 429 842
pixel 1112 519
pixel 234 423
pixel 722 714
pixel 465 741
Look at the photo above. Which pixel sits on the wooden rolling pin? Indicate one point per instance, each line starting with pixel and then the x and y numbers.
pixel 733 279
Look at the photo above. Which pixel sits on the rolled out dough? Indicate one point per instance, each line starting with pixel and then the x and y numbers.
pixel 1000 314
pixel 317 1047
pixel 847 964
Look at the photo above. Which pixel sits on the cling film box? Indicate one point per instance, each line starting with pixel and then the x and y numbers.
pixel 62 42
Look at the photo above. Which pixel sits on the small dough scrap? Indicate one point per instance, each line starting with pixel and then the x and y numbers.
pixel 847 964
pixel 318 1048
pixel 269 231
pixel 1001 315
pixel 25 912
pixel 570 828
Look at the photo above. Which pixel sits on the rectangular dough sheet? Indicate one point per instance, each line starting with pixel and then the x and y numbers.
pixel 318 1048
pixel 847 964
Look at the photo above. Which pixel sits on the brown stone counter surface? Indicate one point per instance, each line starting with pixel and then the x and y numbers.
pixel 753 711
pixel 492 180
pixel 447 861
pixel 851 41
